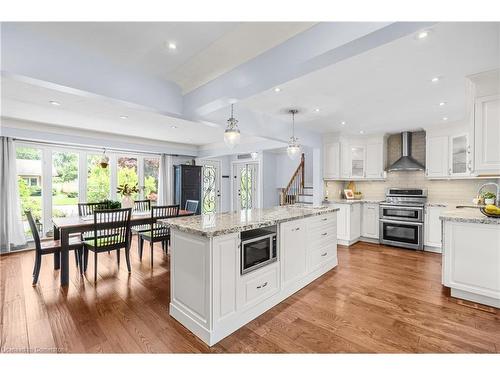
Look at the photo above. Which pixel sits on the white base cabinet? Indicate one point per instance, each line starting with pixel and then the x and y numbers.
pixel 471 261
pixel 370 221
pixel 433 229
pixel 348 223
pixel 212 299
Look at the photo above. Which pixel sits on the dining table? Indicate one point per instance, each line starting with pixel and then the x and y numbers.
pixel 65 226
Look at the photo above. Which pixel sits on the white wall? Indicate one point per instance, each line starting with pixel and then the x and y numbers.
pixel 270 195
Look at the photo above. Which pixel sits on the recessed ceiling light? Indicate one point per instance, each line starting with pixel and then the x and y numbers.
pixel 361 132
pixel 174 127
pixel 124 117
pixel 445 118
pixel 442 104
pixel 435 79
pixel 54 103
pixel 342 123
pixel 172 46
pixel 316 110
pixel 423 34
pixel 277 89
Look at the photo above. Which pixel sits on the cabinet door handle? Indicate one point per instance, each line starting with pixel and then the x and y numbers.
pixel 324 254
pixel 325 219
pixel 296 229
pixel 324 234
pixel 262 286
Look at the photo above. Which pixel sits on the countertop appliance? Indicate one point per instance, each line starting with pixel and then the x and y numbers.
pixel 402 218
pixel 258 248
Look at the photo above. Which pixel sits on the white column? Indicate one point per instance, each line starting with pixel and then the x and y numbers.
pixel 318 176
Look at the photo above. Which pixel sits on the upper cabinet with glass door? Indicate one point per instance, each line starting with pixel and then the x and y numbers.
pixel 459 155
pixel 357 162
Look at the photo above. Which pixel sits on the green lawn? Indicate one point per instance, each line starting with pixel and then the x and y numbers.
pixel 58 200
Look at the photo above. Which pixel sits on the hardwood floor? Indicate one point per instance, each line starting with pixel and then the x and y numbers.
pixel 379 299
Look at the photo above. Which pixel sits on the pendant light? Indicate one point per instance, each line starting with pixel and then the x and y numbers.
pixel 293 149
pixel 232 133
pixel 104 162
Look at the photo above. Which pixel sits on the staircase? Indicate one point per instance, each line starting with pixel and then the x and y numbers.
pixel 296 191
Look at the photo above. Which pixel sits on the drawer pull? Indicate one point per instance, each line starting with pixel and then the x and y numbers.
pixel 325 219
pixel 324 254
pixel 296 229
pixel 262 286
pixel 324 234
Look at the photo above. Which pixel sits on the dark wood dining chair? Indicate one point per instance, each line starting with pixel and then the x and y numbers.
pixel 141 206
pixel 111 232
pixel 48 247
pixel 191 205
pixel 157 232
pixel 87 209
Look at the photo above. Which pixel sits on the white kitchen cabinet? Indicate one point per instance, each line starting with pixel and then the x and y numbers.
pixel 357 162
pixel 345 160
pixel 471 261
pixel 369 220
pixel 459 158
pixel 437 156
pixel 331 162
pixel 293 244
pixel 433 228
pixel 487 135
pixel 348 223
pixel 375 160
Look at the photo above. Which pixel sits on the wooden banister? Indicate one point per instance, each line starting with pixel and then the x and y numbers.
pixel 294 188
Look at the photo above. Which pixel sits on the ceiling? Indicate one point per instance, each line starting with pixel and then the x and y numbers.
pixel 204 50
pixel 26 101
pixel 389 88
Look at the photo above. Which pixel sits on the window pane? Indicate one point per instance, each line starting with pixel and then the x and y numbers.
pixel 64 184
pixel 127 174
pixel 151 173
pixel 97 180
pixel 29 172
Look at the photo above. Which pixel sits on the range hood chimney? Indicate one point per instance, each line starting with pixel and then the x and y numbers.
pixel 406 162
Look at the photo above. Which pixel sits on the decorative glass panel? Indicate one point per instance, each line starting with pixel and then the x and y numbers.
pixel 209 194
pixel 97 179
pixel 246 188
pixel 127 174
pixel 29 170
pixel 151 173
pixel 64 184
pixel 459 149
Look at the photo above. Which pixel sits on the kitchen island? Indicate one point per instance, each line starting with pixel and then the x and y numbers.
pixel 213 296
pixel 471 255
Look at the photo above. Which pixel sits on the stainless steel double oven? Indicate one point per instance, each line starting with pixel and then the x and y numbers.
pixel 402 218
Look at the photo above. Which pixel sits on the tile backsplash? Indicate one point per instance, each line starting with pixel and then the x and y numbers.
pixel 445 191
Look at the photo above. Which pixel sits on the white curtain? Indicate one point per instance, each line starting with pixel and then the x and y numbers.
pixel 165 181
pixel 11 226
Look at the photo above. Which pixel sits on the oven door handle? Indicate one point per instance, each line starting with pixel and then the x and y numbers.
pixel 407 208
pixel 402 222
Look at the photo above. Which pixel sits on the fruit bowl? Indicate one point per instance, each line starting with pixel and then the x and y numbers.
pixel 495 216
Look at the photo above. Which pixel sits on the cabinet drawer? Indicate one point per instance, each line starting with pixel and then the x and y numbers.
pixel 258 287
pixel 321 220
pixel 322 236
pixel 320 255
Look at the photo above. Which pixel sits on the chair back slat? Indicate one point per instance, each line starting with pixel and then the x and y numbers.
pixel 162 212
pixel 111 228
pixel 191 205
pixel 141 206
pixel 86 209
pixel 34 230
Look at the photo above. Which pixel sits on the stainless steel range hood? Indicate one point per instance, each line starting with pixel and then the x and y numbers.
pixel 406 162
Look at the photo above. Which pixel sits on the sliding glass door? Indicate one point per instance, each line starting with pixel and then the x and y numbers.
pixel 98 180
pixel 65 187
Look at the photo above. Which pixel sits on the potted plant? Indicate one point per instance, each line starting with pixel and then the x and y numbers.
pixel 489 198
pixel 126 191
pixel 111 204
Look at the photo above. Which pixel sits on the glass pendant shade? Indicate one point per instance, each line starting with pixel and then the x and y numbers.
pixel 293 150
pixel 232 137
pixel 232 133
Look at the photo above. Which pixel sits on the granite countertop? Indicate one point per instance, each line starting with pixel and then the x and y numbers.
pixel 212 225
pixel 468 215
pixel 352 201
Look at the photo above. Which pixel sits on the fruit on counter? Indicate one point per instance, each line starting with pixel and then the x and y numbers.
pixel 492 209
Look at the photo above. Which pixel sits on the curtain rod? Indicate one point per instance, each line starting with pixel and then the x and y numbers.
pixel 80 147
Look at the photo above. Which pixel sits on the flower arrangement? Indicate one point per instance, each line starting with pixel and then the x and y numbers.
pixel 127 190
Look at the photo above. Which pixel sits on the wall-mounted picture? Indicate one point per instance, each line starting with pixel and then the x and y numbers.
pixel 348 194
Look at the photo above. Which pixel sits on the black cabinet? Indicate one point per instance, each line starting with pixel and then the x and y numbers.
pixel 187 185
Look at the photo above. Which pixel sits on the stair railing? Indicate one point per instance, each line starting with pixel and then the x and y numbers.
pixel 290 194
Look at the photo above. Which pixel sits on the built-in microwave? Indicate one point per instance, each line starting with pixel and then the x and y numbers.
pixel 258 248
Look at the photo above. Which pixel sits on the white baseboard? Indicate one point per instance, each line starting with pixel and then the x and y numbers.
pixel 484 300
